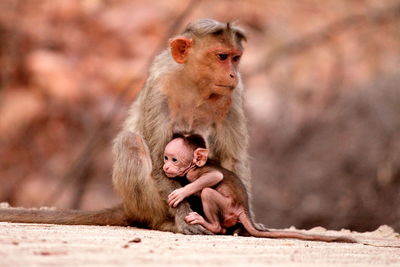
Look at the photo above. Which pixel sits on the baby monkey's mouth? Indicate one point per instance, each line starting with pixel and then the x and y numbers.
pixel 170 175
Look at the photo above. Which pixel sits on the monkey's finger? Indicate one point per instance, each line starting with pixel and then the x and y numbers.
pixel 190 215
pixel 171 202
pixel 177 202
pixel 175 199
pixel 190 219
pixel 171 197
pixel 195 221
pixel 193 215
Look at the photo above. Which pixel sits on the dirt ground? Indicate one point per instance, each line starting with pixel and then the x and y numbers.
pixel 60 245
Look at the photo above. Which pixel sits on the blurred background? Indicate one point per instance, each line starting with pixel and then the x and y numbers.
pixel 322 95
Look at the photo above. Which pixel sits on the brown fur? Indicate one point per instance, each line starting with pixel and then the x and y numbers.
pixel 182 98
pixel 182 94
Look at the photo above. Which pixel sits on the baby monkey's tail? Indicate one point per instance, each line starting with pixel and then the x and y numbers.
pixel 249 226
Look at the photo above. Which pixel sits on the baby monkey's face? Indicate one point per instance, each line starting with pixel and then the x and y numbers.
pixel 178 158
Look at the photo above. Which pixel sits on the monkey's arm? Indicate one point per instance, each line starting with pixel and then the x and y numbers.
pixel 208 179
pixel 231 142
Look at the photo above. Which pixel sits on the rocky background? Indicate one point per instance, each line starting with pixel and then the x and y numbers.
pixel 323 99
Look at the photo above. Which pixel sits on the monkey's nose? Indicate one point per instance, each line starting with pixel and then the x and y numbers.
pixel 232 75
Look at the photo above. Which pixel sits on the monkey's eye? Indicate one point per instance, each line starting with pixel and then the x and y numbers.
pixel 174 160
pixel 165 158
pixel 236 58
pixel 223 56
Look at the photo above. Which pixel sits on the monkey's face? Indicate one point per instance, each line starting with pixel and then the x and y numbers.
pixel 210 62
pixel 213 65
pixel 178 158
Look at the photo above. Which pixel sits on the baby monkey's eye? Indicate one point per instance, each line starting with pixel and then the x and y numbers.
pixel 174 160
pixel 165 158
pixel 222 56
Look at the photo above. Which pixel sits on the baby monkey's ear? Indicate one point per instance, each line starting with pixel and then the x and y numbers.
pixel 200 157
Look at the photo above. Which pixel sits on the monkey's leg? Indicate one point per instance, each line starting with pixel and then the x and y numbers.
pixel 144 192
pixel 178 214
pixel 132 180
pixel 213 204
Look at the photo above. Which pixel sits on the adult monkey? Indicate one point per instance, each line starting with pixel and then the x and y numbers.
pixel 193 87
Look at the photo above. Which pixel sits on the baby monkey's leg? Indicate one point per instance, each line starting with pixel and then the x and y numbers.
pixel 213 205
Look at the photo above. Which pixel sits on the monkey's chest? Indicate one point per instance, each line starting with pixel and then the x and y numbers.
pixel 193 117
pixel 201 127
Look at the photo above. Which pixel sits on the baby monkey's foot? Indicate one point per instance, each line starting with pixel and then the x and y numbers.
pixel 194 218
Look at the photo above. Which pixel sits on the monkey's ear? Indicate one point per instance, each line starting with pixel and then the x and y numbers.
pixel 179 48
pixel 200 156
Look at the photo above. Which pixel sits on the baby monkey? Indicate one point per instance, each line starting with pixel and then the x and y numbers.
pixel 223 195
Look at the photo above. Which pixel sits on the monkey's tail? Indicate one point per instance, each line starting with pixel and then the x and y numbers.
pixel 113 216
pixel 248 225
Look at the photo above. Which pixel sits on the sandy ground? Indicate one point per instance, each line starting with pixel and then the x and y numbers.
pixel 60 245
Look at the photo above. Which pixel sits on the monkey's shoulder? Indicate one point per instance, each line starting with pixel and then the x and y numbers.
pixel 198 172
pixel 216 166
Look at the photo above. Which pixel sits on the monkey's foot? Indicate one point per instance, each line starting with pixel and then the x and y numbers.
pixel 192 229
pixel 197 229
pixel 194 218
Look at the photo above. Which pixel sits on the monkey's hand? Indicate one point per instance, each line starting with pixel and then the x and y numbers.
pixel 177 196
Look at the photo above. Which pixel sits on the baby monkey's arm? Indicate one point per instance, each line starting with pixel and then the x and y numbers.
pixel 208 179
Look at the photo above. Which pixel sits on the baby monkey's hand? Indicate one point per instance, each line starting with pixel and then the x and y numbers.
pixel 177 196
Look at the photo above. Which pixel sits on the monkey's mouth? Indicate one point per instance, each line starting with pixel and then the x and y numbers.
pixel 231 87
pixel 223 90
pixel 214 96
pixel 170 174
